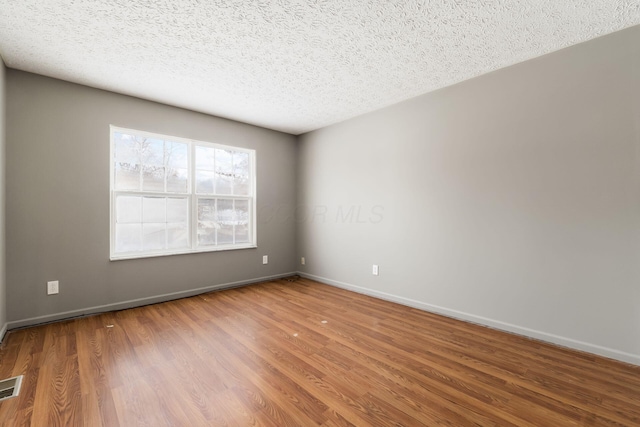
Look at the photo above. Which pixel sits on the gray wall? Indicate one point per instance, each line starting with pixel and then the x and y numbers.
pixel 3 297
pixel 512 199
pixel 58 202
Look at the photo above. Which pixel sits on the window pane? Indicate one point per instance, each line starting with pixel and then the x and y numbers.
pixel 242 233
pixel 224 171
pixel 153 209
pixel 241 211
pixel 204 182
pixel 241 185
pixel 205 158
pixel 177 235
pixel 128 209
pixel 177 180
pixel 207 222
pixel 153 236
pixel 127 176
pixel 152 178
pixel 206 236
pixel 177 155
pixel 152 152
pixel 177 210
pixel 207 209
pixel 225 211
pixel 125 148
pixel 177 166
pixel 128 237
pixel 225 216
pixel 241 221
pixel 225 235
pixel 127 162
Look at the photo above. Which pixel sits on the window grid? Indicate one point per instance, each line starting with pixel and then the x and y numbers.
pixel 232 221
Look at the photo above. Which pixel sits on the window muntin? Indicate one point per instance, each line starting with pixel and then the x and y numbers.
pixel 172 195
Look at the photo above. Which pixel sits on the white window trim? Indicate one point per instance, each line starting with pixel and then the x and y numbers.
pixel 191 196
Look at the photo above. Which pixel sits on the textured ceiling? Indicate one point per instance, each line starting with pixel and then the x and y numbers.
pixel 291 65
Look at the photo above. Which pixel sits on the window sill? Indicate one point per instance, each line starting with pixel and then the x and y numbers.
pixel 137 255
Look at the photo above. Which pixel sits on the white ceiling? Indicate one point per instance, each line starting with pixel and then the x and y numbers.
pixel 291 65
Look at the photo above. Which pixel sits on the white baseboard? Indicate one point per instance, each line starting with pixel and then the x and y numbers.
pixel 496 324
pixel 136 302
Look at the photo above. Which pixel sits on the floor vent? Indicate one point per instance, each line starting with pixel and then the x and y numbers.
pixel 10 387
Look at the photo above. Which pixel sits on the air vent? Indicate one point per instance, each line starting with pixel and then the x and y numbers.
pixel 10 387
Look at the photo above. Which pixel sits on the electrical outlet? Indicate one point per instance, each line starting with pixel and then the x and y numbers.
pixel 302 260
pixel 375 270
pixel 53 287
pixel 265 259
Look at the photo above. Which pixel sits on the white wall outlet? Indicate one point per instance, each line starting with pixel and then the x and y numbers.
pixel 265 259
pixel 375 269
pixel 302 261
pixel 53 287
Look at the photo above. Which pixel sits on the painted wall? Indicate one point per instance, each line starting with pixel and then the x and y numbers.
pixel 58 202
pixel 512 199
pixel 3 296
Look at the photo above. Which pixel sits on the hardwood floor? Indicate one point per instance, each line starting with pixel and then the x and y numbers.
pixel 287 353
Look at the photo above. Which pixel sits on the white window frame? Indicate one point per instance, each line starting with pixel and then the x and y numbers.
pixel 191 195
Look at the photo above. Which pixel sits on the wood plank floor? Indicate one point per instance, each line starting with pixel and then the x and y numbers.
pixel 300 353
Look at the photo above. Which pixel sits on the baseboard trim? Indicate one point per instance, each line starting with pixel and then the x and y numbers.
pixel 496 324
pixel 136 302
pixel 3 332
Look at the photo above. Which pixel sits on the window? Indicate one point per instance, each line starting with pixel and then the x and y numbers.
pixel 172 195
